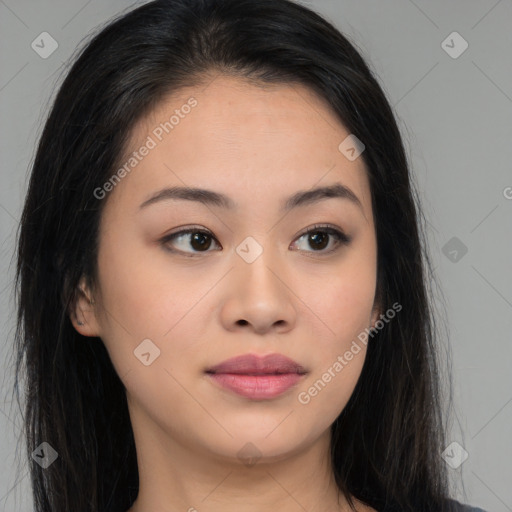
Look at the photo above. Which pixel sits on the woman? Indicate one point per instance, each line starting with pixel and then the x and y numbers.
pixel 222 287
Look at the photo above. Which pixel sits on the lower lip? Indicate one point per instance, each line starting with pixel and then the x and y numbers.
pixel 257 387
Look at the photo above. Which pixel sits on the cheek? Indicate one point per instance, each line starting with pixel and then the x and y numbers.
pixel 139 293
pixel 344 305
pixel 130 308
pixel 329 391
pixel 339 356
pixel 345 302
pixel 143 300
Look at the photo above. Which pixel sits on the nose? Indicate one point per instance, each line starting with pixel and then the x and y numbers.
pixel 258 296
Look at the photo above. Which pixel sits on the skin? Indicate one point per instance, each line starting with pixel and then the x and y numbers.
pixel 257 145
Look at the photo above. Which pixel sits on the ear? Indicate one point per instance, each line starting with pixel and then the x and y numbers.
pixel 376 311
pixel 83 311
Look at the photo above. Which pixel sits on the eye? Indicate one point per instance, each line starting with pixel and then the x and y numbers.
pixel 318 237
pixel 200 240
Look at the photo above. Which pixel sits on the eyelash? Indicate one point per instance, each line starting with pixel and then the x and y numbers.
pixel 341 239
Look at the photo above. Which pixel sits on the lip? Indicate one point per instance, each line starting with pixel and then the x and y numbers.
pixel 252 364
pixel 257 377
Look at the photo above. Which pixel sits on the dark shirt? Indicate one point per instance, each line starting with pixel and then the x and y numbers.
pixel 459 507
pixel 467 508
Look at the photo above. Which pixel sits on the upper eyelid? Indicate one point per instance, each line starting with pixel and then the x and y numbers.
pixel 197 229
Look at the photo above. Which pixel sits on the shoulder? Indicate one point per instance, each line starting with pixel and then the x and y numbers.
pixel 460 507
pixel 456 506
pixel 451 505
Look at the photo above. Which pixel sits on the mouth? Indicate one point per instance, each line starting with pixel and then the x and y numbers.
pixel 253 364
pixel 256 377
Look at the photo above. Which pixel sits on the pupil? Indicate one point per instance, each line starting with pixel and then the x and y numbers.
pixel 199 236
pixel 314 238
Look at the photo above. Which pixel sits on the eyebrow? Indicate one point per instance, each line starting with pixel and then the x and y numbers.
pixel 209 197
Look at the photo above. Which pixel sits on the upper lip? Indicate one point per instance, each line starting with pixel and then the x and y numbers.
pixel 258 365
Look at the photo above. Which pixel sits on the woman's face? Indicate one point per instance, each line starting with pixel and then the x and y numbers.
pixel 168 309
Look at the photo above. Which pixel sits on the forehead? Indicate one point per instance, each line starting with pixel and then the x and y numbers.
pixel 248 140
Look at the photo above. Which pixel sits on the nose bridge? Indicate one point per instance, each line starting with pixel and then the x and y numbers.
pixel 258 263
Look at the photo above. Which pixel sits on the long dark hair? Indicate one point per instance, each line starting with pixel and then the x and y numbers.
pixel 386 443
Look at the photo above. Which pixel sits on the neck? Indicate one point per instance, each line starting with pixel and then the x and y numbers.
pixel 173 477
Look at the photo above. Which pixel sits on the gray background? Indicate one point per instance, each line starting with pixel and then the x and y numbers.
pixel 456 118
